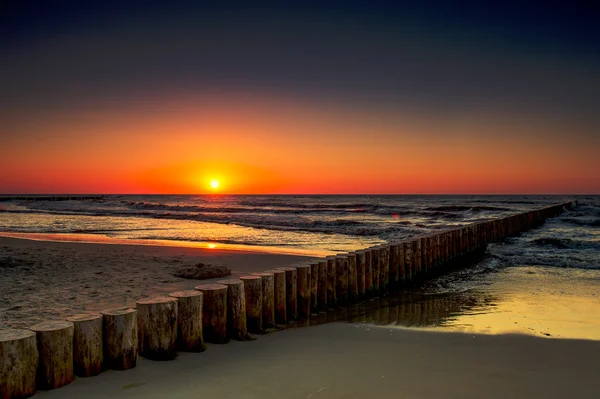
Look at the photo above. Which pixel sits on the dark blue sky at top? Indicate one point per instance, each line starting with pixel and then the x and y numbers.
pixel 534 58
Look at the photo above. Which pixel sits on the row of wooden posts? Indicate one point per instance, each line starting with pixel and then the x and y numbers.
pixel 49 354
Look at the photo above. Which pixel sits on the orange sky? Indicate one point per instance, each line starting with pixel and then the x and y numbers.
pixel 269 144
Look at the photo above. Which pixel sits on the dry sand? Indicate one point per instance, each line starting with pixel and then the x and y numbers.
pixel 45 280
pixel 340 360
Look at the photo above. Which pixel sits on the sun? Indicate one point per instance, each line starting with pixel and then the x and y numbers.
pixel 214 183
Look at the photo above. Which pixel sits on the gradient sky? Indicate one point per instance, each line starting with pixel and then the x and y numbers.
pixel 331 97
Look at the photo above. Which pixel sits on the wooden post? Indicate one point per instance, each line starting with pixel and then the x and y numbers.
pixel 443 249
pixel 314 287
pixel 268 294
pixel 214 313
pixel 280 301
pixel 322 285
pixel 424 254
pixel 303 288
pixel 254 308
pixel 401 264
pixel 189 320
pixel 341 270
pixel 360 272
pixel 88 353
pixel 18 363
pixel 352 278
pixel 331 282
pixel 384 269
pixel 157 328
pixel 120 338
pixel 291 292
pixel 394 274
pixel 416 244
pixel 237 328
pixel 408 261
pixel 55 349
pixel 368 274
pixel 375 269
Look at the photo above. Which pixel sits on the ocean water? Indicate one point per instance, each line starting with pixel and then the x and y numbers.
pixel 545 281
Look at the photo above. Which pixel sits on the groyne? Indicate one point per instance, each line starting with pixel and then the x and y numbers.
pixel 50 355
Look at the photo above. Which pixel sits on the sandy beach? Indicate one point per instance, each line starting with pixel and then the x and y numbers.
pixel 45 280
pixel 347 360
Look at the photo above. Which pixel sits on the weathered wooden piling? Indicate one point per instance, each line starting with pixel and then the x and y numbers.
pixel 341 270
pixel 393 270
pixel 314 284
pixel 280 300
pixel 384 269
pixel 88 352
pixel 368 274
pixel 303 288
pixel 55 349
pixel 331 282
pixel 189 320
pixel 237 328
pixel 214 313
pixel 401 264
pixel 417 267
pixel 18 363
pixel 254 303
pixel 120 338
pixel 408 261
pixel 268 294
pixel 361 261
pixel 443 245
pixel 291 292
pixel 375 269
pixel 352 278
pixel 157 328
pixel 322 285
pixel 425 240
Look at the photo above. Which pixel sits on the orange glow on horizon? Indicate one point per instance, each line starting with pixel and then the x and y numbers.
pixel 274 146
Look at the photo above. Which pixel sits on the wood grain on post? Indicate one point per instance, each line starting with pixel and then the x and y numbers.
pixel 268 291
pixel 375 269
pixel 360 272
pixel 214 313
pixel 291 292
pixel 189 320
pixel 88 352
pixel 18 363
pixel 157 327
pixel 393 270
pixel 280 300
pixel 120 338
pixel 341 270
pixel 401 263
pixel 254 303
pixel 236 309
pixel 424 255
pixel 384 269
pixel 331 282
pixel 368 274
pixel 314 287
pixel 322 285
pixel 408 261
pixel 443 249
pixel 352 278
pixel 417 267
pixel 55 349
pixel 303 288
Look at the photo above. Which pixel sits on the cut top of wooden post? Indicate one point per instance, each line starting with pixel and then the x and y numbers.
pixel 155 300
pixel 51 326
pixel 211 287
pixel 84 317
pixel 15 334
pixel 185 294
pixel 118 311
pixel 287 269
pixel 265 274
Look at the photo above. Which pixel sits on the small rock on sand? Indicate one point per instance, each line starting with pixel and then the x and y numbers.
pixel 202 271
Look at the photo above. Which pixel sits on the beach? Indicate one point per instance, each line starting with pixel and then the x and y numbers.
pixel 46 280
pixel 349 360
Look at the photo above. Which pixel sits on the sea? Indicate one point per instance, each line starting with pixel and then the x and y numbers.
pixel 545 281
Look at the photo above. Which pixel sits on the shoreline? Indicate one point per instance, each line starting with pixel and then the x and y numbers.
pixel 102 239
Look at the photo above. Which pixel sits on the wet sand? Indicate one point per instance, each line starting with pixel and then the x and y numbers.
pixel 347 360
pixel 45 280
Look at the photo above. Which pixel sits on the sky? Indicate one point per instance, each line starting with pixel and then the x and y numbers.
pixel 309 97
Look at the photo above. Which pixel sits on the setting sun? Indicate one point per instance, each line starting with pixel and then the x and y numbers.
pixel 214 184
